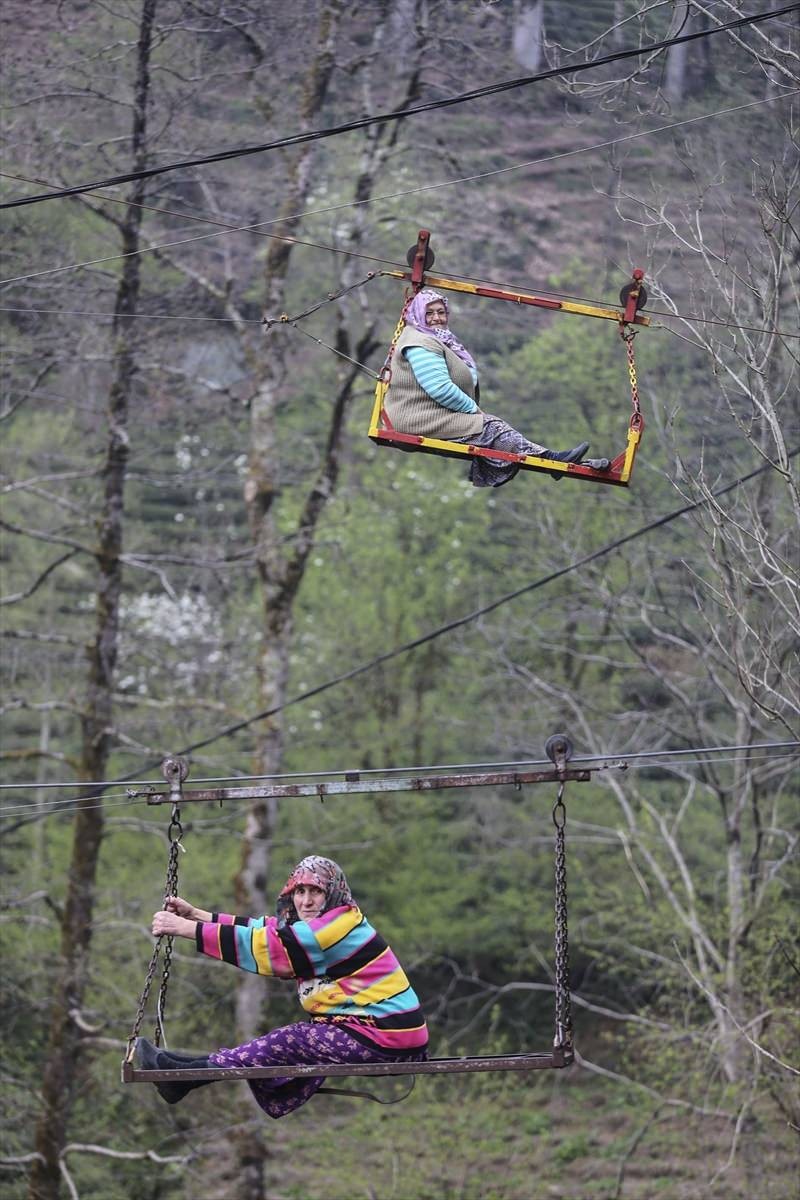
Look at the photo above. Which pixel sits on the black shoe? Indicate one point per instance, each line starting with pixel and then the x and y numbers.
pixel 145 1055
pixel 150 1058
pixel 572 456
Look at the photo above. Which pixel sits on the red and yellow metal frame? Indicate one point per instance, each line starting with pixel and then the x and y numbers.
pixel 442 283
pixel 618 472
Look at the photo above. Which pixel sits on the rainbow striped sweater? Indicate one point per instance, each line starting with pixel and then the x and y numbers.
pixel 345 971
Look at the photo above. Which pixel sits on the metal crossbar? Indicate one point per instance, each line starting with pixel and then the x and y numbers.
pixel 354 785
pixel 445 284
pixel 432 1066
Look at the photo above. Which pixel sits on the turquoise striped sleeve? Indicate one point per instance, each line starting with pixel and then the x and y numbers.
pixel 432 375
pixel 254 947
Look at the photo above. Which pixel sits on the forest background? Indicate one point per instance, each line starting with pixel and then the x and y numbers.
pixel 196 530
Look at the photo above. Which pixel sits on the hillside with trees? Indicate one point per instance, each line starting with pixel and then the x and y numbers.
pixel 204 554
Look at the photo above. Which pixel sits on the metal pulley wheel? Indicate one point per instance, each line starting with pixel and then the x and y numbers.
pixel 558 746
pixel 430 257
pixel 641 299
pixel 175 770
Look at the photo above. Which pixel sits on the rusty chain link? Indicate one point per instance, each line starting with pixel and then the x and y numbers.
pixel 385 374
pixel 627 334
pixel 563 1035
pixel 137 1024
pixel 174 833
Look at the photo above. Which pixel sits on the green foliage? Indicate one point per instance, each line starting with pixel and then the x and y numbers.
pixel 619 653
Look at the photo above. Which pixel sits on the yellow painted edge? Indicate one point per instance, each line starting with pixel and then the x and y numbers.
pixel 634 437
pixel 543 464
pixel 451 285
pixel 375 421
pixel 568 306
pixel 463 450
pixel 588 310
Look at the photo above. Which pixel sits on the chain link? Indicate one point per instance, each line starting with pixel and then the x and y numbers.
pixel 174 833
pixel 385 375
pixel 137 1024
pixel 628 335
pixel 563 1034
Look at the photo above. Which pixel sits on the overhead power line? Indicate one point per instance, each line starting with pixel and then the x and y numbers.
pixel 506 764
pixel 257 227
pixel 468 618
pixel 400 114
pixel 363 668
pixel 141 316
pixel 645 760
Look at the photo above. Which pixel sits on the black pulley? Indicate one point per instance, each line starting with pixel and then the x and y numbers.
pixel 641 299
pixel 558 746
pixel 175 769
pixel 430 257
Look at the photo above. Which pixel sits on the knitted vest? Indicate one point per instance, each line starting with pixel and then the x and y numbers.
pixel 411 410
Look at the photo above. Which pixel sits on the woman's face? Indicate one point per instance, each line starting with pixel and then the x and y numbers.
pixel 308 901
pixel 436 314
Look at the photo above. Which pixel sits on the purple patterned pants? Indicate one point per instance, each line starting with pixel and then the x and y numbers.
pixel 296 1045
pixel 497 434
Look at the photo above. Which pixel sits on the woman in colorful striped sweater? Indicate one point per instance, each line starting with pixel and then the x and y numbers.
pixel 434 393
pixel 361 1005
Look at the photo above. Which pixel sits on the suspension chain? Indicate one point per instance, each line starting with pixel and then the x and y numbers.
pixel 563 1036
pixel 137 1024
pixel 627 334
pixel 174 833
pixel 386 370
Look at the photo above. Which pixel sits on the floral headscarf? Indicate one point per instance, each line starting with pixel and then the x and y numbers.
pixel 320 872
pixel 415 316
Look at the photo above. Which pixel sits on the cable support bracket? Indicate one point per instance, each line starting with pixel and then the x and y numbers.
pixel 353 784
pixel 285 319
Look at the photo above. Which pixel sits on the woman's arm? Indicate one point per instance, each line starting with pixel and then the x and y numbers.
pixel 178 918
pixel 183 908
pixel 431 373
pixel 172 925
pixel 251 943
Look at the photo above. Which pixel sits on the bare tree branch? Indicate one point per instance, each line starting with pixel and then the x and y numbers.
pixel 716 1002
pixel 15 597
pixel 666 1101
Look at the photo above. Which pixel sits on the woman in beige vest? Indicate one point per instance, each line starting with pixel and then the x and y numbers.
pixel 434 393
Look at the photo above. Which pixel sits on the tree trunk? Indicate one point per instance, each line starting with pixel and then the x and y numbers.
pixel 677 57
pixel 281 571
pixel 261 491
pixel 528 36
pixel 58 1084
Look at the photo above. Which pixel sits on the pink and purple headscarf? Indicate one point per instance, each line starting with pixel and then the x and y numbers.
pixel 415 316
pixel 319 872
